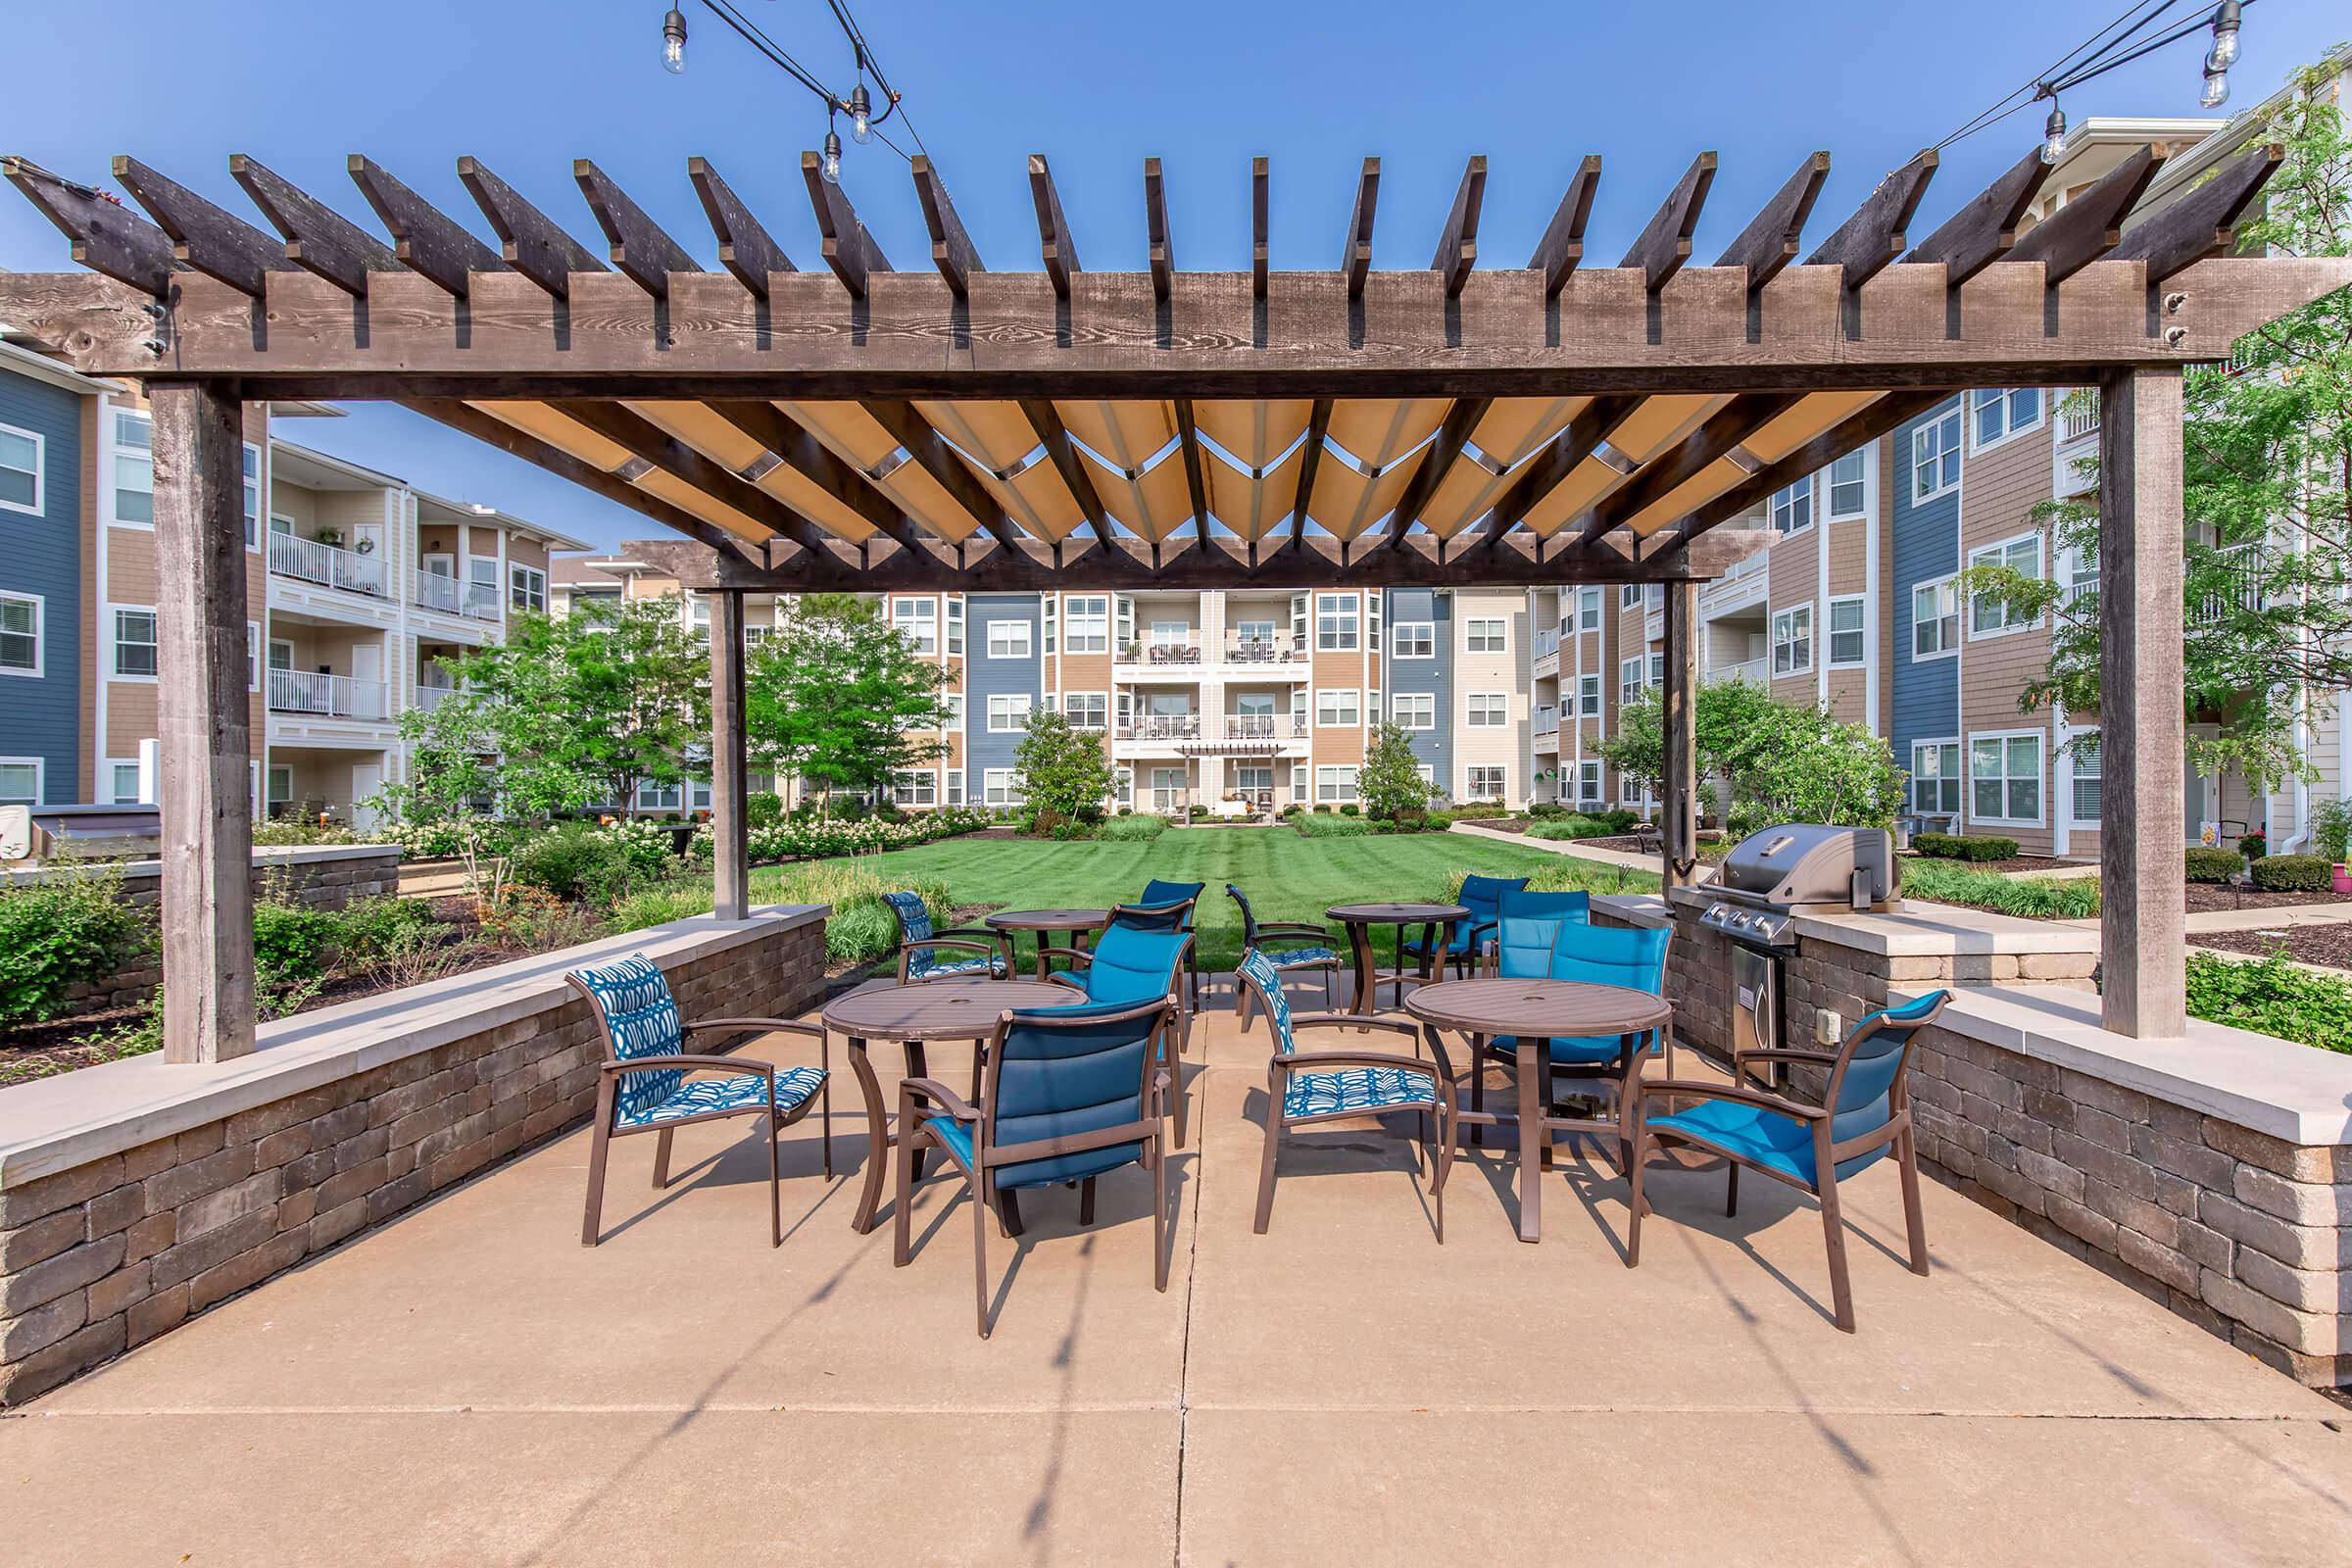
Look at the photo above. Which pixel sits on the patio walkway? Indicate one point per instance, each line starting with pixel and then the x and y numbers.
pixel 469 1386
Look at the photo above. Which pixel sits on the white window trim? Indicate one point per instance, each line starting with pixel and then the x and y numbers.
pixel 1094 627
pixel 2073 775
pixel 1587 609
pixel 1593 711
pixel 111 669
pixel 1425 635
pixel 1959 619
pixel 1828 632
pixel 1470 719
pixel 115 449
pixel 1812 500
pixel 521 575
pixel 40 633
pixel 1911 468
pixel 2010 432
pixel 41 775
pixel 1028 639
pixel 1826 490
pixel 1348 621
pixel 1968 767
pixel 1088 729
pixel 1968 607
pixel 257 655
pixel 1911 781
pixel 1028 705
pixel 40 472
pixel 1470 789
pixel 1423 702
pixel 999 779
pixel 926 774
pixel 1353 786
pixel 1356 716
pixel 1772 642
pixel 1501 621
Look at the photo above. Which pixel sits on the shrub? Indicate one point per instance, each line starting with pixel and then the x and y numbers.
pixel 577 863
pixel 291 943
pixel 2273 997
pixel 71 930
pixel 286 830
pixel 863 927
pixel 1620 821
pixel 1959 846
pixel 433 841
pixel 2214 866
pixel 1541 810
pixel 2332 827
pixel 1563 875
pixel 1332 828
pixel 2254 846
pixel 1351 809
pixel 1570 827
pixel 367 929
pixel 764 808
pixel 2294 873
pixel 2041 898
pixel 1130 827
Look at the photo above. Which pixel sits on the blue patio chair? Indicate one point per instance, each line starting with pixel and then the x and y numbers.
pixel 1256 937
pixel 1564 947
pixel 1129 963
pixel 1160 895
pixel 642 1086
pixel 1303 1087
pixel 1071 1094
pixel 1482 896
pixel 920 946
pixel 1865 1112
pixel 1520 904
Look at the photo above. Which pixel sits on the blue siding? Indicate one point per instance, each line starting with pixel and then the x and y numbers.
pixel 1433 674
pixel 41 716
pixel 1927 548
pixel 985 677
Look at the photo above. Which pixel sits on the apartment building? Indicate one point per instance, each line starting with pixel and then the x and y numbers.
pixel 358 585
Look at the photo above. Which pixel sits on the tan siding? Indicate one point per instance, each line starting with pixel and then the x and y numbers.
pixel 2001 488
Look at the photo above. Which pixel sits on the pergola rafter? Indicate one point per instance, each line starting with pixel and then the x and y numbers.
pixel 862 428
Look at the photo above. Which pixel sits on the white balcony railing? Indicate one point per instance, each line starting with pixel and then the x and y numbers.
pixel 327 566
pixel 1185 650
pixel 1548 643
pixel 429 698
pixel 2243 589
pixel 1161 728
pixel 2078 415
pixel 1546 721
pixel 297 691
pixel 1274 650
pixel 478 601
pixel 1754 671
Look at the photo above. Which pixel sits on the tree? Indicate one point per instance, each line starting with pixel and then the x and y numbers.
pixel 1729 719
pixel 2267 449
pixel 1061 771
pixel 838 696
pixel 1787 761
pixel 1389 783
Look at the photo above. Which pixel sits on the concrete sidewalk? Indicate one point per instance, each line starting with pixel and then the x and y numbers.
pixel 1579 850
pixel 469 1386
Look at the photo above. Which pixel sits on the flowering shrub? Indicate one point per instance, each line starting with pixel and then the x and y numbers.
pixel 433 841
pixel 815 839
pixel 645 848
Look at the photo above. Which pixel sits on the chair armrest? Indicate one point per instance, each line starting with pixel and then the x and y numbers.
pixel 939 1094
pixel 1697 1089
pixel 1056 978
pixel 988 931
pixel 789 1026
pixel 1292 928
pixel 667 1063
pixel 1825 1058
pixel 1352 1059
pixel 1355 1020
pixel 990 948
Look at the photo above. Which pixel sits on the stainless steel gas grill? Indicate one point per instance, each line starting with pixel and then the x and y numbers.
pixel 1769 879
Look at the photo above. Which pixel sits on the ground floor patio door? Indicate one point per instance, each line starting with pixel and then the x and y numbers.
pixel 367 783
pixel 1169 788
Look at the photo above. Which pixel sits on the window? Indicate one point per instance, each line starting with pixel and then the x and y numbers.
pixel 698 615
pixel 1936 457
pixel 280 787
pixel 1087 709
pixel 654 797
pixel 2004 776
pixel 1849 644
pixel 955 626
pixel 1414 639
pixel 2086 754
pixel 1657 671
pixel 1935 619
pixel 526 589
pixel 120 784
pixel 252 655
pixel 918 619
pixel 1588 696
pixel 1007 712
pixel 1793 641
pixel 1336 710
pixel 19 634
pixel 1629 682
pixel 1989 617
pixel 253 497
pixel 1629 596
pixel 1008 639
pixel 134 468
pixel 20 461
pixel 1489 709
pixel 1052 608
pixel 1588 782
pixel 1373 601
pixel 1372 707
pixel 1335 783
pixel 1336 622
pixel 1089 627
pixel 1849 484
pixel 1587 609
pixel 996 788
pixel 952 702
pixel 1490 636
pixel 19 781
pixel 956 786
pixel 1298 781
pixel 914 789
pixel 1414 710
pixel 480 570
pixel 135 643
pixel 1793 507
pixel 2000 415
pixel 1488 784
pixel 1936 778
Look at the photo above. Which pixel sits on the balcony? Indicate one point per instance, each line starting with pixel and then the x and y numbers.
pixel 1548 643
pixel 1161 728
pixel 1178 651
pixel 428 698
pixel 1754 671
pixel 1263 651
pixel 1546 721
pixel 2078 415
pixel 327 566
pixel 1265 726
pixel 2241 590
pixel 476 601
pixel 296 691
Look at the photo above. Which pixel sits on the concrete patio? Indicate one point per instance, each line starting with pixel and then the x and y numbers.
pixel 467 1384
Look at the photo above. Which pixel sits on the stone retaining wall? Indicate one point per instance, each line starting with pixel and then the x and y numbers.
pixel 116 1249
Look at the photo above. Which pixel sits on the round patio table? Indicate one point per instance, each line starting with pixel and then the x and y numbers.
pixel 1534 1012
pixel 1360 918
pixel 911 1014
pixel 1045 923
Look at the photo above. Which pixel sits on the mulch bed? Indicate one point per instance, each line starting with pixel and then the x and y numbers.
pixel 2031 865
pixel 2327 944
pixel 2205 896
pixel 1501 824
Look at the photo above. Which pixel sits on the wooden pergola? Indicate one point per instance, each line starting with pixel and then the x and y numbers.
pixel 957 427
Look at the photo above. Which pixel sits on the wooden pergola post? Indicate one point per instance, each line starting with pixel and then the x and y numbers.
pixel 2142 747
pixel 204 721
pixel 1678 825
pixel 730 828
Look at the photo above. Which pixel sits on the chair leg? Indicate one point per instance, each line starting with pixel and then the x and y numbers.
pixel 1086 1202
pixel 1008 1213
pixel 980 1185
pixel 1241 1007
pixel 1265 1164
pixel 1731 1193
pixel 1159 1217
pixel 1914 1222
pixel 1478 1089
pixel 1331 989
pixel 1832 1230
pixel 661 1160
pixel 775 1181
pixel 903 1200
pixel 1632 1224
pixel 824 1094
pixel 602 1140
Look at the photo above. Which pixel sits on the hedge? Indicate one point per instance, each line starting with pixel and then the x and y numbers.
pixel 2214 866
pixel 1960 846
pixel 2294 873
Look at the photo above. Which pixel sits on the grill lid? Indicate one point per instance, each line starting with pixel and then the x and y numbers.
pixel 1800 863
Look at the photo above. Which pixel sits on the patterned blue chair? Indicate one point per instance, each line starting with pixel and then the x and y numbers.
pixel 1256 937
pixel 1137 960
pixel 1482 896
pixel 1070 1094
pixel 1303 1087
pixel 1864 1114
pixel 643 1086
pixel 1563 946
pixel 920 946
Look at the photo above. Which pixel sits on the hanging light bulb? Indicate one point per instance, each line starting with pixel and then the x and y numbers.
pixel 2053 135
pixel 2224 53
pixel 674 42
pixel 832 165
pixel 862 115
pixel 2216 89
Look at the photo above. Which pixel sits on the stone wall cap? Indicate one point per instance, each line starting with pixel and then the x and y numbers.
pixel 1634 909
pixel 2297 1093
pixel 267 855
pixel 55 1124
pixel 1920 929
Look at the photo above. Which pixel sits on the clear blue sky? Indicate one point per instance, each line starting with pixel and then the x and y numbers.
pixel 526 85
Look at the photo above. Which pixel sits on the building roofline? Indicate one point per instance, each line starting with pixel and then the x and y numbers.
pixel 356 470
pixel 41 368
pixel 480 512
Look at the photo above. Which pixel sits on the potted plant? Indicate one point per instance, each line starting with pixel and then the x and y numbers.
pixel 2331 829
pixel 2254 846
pixel 329 536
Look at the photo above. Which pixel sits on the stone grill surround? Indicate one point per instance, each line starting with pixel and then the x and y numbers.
pixel 116 1228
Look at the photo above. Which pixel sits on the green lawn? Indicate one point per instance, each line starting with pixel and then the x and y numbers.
pixel 1286 877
